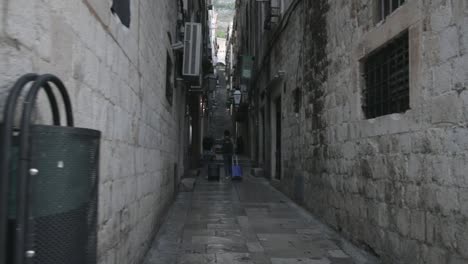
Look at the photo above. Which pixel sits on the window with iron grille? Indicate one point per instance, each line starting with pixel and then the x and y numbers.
pixel 386 74
pixel 169 78
pixel 386 7
pixel 122 9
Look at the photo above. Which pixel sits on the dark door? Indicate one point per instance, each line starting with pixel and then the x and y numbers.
pixel 176 179
pixel 263 136
pixel 278 139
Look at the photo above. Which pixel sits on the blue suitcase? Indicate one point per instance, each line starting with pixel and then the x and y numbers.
pixel 236 169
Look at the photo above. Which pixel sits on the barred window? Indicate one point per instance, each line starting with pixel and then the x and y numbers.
pixel 386 74
pixel 386 7
pixel 122 9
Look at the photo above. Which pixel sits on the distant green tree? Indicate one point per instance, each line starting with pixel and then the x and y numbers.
pixel 221 34
pixel 223 4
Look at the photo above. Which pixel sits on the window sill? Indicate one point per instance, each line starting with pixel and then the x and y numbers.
pixel 393 25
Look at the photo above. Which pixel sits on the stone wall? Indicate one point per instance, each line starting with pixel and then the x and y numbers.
pixel 281 55
pixel 287 57
pixel 396 184
pixel 116 77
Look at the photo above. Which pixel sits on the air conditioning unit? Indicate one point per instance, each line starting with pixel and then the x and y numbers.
pixel 192 50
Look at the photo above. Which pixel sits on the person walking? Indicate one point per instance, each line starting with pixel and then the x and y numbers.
pixel 228 151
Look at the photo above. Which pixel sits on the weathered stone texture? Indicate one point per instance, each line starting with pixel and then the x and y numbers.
pixel 116 77
pixel 396 184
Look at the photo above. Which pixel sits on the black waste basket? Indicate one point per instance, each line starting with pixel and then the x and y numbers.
pixel 60 222
pixel 213 172
pixel 62 201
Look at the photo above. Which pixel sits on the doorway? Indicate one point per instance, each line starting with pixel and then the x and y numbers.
pixel 262 137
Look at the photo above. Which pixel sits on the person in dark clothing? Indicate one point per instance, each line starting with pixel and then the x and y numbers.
pixel 228 150
pixel 208 143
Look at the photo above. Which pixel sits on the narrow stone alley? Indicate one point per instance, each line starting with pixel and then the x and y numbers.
pixel 246 222
pixel 233 131
pixel 221 119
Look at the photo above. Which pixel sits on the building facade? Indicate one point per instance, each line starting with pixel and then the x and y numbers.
pixel 213 21
pixel 121 66
pixel 359 111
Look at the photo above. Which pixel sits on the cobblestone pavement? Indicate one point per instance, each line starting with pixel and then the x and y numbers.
pixel 246 222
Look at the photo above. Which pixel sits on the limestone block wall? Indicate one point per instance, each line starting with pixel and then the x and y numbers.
pixel 286 56
pixel 116 77
pixel 396 184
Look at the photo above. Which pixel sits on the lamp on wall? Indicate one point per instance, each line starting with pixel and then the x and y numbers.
pixel 237 98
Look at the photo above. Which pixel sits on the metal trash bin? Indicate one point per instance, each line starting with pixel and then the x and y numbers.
pixel 60 220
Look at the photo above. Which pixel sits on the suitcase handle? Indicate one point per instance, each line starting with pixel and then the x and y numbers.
pixel 235 160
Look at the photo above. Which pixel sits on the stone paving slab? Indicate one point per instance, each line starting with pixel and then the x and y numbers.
pixel 227 248
pixel 197 259
pixel 246 222
pixel 300 261
pixel 234 258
